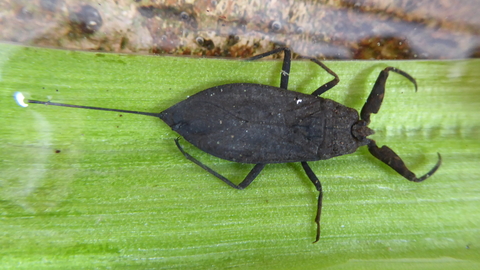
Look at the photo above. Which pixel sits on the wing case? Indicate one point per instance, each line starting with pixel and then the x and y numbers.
pixel 254 123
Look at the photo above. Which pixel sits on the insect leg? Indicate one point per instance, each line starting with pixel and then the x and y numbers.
pixel 374 101
pixel 324 88
pixel 311 175
pixel 387 156
pixel 286 69
pixel 247 181
pixel 287 59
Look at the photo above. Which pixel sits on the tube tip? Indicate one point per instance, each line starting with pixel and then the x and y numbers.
pixel 19 98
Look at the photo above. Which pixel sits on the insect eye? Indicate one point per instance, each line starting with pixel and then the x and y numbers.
pixel 276 26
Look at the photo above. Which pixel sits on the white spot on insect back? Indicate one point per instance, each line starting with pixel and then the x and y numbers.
pixel 19 98
pixel 299 101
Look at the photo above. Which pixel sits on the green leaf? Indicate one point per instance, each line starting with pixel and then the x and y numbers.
pixel 92 189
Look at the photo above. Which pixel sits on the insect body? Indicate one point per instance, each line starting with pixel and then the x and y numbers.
pixel 260 124
pixel 234 122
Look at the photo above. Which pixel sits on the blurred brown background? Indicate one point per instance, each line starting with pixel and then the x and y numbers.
pixel 335 29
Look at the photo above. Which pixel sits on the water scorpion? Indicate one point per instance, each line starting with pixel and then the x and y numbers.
pixel 261 124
